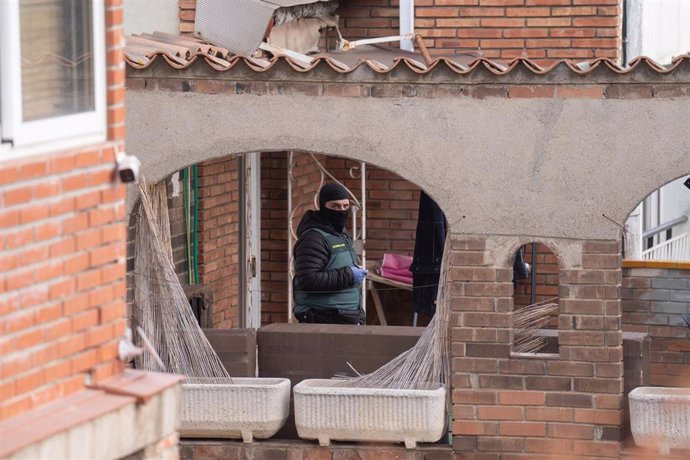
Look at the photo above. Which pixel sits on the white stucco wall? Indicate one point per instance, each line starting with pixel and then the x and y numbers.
pixel 146 16
pixel 537 167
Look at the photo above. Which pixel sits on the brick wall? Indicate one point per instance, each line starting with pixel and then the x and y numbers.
pixel 62 243
pixel 218 250
pixel 274 273
pixel 539 29
pixel 654 299
pixel 187 10
pixel 536 406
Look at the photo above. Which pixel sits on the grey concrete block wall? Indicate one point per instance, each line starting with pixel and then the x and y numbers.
pixel 654 300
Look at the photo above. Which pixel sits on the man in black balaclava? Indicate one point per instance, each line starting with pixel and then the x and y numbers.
pixel 327 284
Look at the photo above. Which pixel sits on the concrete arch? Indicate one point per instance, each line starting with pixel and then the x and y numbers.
pixel 503 250
pixel 644 195
pixel 156 173
pixel 548 168
pixel 550 244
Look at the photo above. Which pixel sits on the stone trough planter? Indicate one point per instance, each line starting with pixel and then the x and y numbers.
pixel 660 417
pixel 326 412
pixel 245 409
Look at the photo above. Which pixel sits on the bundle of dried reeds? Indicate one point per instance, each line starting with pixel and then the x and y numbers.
pixel 160 305
pixel 427 364
pixel 528 323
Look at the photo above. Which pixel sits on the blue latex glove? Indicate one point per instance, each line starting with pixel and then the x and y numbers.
pixel 359 273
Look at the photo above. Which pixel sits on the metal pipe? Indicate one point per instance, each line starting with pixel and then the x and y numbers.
pixel 662 228
pixel 658 211
pixel 624 32
pixel 347 45
pixel 406 19
pixel 363 180
pixel 289 238
pixel 187 224
pixel 244 276
pixel 419 41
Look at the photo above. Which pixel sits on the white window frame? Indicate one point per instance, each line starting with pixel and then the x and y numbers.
pixel 21 133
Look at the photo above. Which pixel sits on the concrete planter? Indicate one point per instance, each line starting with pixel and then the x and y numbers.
pixel 328 412
pixel 659 417
pixel 246 408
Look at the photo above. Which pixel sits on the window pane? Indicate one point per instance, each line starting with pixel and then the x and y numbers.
pixel 57 58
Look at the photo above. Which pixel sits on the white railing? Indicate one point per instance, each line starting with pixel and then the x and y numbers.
pixel 677 248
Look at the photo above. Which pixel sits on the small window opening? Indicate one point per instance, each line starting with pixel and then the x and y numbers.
pixel 536 286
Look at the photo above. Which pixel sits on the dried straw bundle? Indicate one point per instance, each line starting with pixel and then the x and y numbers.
pixel 160 305
pixel 427 364
pixel 528 322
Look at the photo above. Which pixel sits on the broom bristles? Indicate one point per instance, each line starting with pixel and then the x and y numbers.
pixel 160 305
pixel 427 364
pixel 528 323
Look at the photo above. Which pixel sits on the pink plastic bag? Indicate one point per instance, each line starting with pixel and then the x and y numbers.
pixel 396 267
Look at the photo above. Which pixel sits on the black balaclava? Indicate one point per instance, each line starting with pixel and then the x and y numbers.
pixel 330 192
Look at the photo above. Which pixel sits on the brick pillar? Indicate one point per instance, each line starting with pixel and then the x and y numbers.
pixel 219 237
pixel 541 405
pixel 274 272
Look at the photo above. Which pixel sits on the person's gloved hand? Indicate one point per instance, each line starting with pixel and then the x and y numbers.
pixel 359 273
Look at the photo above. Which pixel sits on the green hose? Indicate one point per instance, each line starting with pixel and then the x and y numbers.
pixel 185 205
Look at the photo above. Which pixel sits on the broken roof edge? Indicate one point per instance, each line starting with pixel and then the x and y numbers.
pixel 642 63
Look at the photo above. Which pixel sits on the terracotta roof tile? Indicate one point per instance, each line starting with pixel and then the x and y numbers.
pixel 181 52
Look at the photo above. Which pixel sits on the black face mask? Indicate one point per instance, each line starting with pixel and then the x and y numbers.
pixel 338 219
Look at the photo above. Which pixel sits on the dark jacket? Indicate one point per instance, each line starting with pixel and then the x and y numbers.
pixel 312 254
pixel 428 255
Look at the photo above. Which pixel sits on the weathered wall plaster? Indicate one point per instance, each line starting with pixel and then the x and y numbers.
pixel 147 16
pixel 535 167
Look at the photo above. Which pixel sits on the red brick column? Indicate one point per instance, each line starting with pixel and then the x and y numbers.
pixel 542 405
pixel 218 251
pixel 274 252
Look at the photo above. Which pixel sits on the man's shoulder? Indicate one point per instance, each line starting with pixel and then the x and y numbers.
pixel 312 235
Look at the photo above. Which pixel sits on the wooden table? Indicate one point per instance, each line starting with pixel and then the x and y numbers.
pixel 372 279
